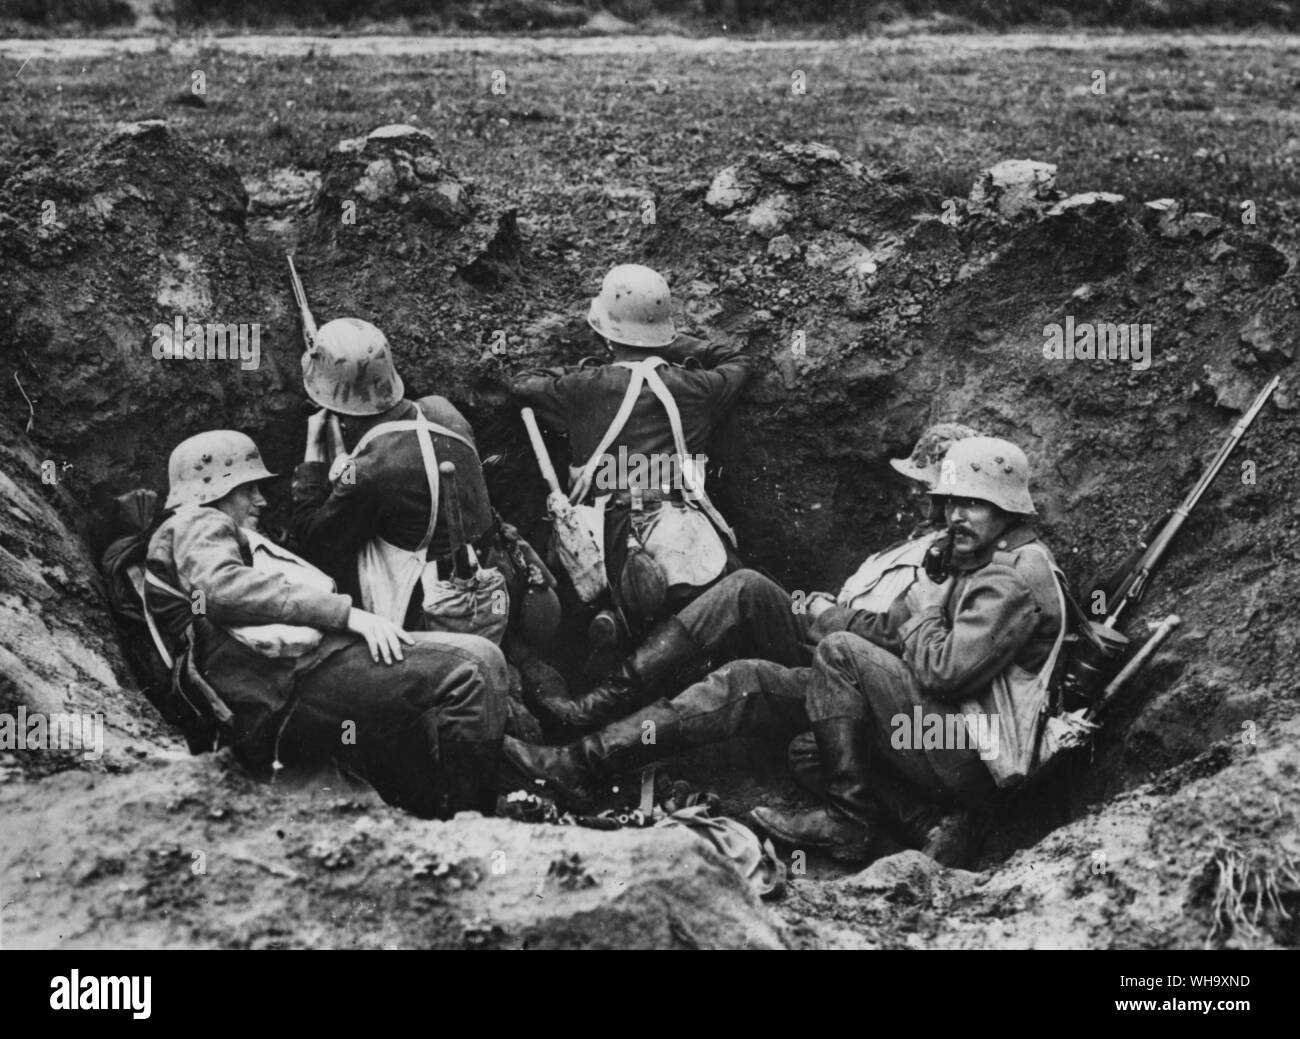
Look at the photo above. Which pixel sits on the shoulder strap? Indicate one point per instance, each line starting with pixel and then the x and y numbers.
pixel 1059 580
pixel 150 580
pixel 691 491
pixel 422 427
pixel 408 425
pixel 638 369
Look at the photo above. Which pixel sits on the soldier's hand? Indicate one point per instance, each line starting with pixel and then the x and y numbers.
pixel 818 603
pixel 382 636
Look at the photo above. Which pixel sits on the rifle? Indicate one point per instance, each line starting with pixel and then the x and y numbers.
pixel 304 311
pixel 1130 580
pixel 334 448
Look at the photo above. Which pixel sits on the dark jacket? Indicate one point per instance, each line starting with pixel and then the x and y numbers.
pixel 389 495
pixel 704 380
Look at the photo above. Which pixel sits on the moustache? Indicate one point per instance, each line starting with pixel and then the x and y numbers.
pixel 961 530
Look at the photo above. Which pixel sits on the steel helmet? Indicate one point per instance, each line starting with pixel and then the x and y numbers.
pixel 208 466
pixel 349 369
pixel 989 469
pixel 634 307
pixel 923 463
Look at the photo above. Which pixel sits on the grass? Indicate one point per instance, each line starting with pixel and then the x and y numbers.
pixel 1212 126
pixel 1247 887
pixel 746 15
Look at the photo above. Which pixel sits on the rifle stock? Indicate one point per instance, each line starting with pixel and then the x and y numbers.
pixel 1134 584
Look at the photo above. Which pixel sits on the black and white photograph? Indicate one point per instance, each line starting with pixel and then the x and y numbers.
pixel 650 474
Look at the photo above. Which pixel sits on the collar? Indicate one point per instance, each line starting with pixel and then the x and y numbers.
pixel 1013 537
pixel 403 409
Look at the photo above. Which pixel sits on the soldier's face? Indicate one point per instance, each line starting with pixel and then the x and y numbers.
pixel 243 505
pixel 973 524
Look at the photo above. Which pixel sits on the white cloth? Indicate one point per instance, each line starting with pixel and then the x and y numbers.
pixel 885 576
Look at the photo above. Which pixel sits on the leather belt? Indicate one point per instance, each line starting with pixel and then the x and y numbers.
pixel 652 494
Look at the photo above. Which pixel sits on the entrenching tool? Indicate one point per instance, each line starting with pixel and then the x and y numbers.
pixel 1139 661
pixel 1065 735
pixel 577 549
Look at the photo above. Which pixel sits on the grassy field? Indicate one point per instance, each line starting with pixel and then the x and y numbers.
pixel 1212 125
pixel 804 16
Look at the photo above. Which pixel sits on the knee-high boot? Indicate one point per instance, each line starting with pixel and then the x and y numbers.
pixel 577 771
pixel 668 647
pixel 848 826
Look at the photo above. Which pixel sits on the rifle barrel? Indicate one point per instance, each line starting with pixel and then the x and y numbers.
pixel 300 297
pixel 1132 588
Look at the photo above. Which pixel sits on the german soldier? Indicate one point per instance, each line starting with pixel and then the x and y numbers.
pixel 747 614
pixel 996 614
pixel 426 722
pixel 371 517
pixel 637 430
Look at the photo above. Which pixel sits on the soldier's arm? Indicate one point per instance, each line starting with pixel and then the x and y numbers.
pixel 728 370
pixel 880 628
pixel 332 520
pixel 208 560
pixel 995 617
pixel 546 393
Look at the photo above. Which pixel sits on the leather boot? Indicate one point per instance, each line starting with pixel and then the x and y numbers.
pixel 668 647
pixel 847 827
pixel 467 778
pixel 941 830
pixel 806 764
pixel 580 773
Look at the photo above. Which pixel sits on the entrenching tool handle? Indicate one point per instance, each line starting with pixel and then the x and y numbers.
pixel 300 297
pixel 1135 665
pixel 455 520
pixel 575 545
pixel 539 449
